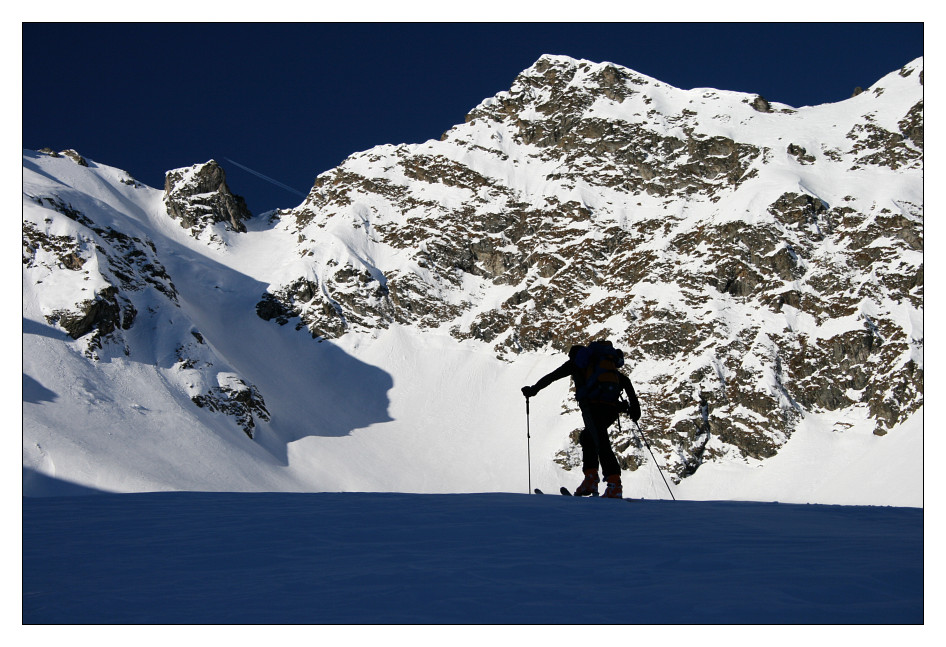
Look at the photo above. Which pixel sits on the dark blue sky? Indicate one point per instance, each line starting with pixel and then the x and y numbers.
pixel 292 101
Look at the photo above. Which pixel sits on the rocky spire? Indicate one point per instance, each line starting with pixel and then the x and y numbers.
pixel 198 196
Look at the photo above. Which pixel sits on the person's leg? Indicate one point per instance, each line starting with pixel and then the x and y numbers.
pixel 603 418
pixel 588 440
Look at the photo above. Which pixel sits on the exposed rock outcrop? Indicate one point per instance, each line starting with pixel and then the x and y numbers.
pixel 198 196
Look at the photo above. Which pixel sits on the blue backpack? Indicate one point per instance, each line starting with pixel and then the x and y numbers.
pixel 598 365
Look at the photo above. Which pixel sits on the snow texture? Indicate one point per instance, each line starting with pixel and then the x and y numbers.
pixel 390 558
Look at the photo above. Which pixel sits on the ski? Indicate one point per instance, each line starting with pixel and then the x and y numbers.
pixel 563 490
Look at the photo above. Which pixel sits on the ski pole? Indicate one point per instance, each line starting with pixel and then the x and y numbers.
pixel 655 460
pixel 528 446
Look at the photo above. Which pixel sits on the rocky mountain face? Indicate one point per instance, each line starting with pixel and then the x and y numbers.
pixel 199 197
pixel 113 265
pixel 756 262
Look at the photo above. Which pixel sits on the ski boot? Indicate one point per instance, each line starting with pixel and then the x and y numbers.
pixel 613 490
pixel 588 487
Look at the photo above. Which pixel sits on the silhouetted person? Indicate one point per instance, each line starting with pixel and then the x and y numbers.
pixel 598 387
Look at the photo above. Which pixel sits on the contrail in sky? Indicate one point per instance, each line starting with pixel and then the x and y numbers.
pixel 265 177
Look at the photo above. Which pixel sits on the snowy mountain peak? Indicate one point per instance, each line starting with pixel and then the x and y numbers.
pixel 760 265
pixel 906 79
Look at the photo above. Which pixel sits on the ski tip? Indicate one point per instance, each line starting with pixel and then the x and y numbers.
pixel 538 491
pixel 564 491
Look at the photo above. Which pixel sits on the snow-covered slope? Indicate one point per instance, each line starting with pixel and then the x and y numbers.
pixel 400 411
pixel 761 265
pixel 479 559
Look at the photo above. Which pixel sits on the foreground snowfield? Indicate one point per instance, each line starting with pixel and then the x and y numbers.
pixel 380 558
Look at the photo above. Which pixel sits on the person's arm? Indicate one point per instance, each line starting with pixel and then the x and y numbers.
pixel 564 370
pixel 633 405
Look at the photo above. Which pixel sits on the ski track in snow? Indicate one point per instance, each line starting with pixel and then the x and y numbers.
pixel 387 558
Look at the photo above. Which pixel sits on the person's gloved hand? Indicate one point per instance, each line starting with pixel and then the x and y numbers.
pixel 529 391
pixel 626 409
